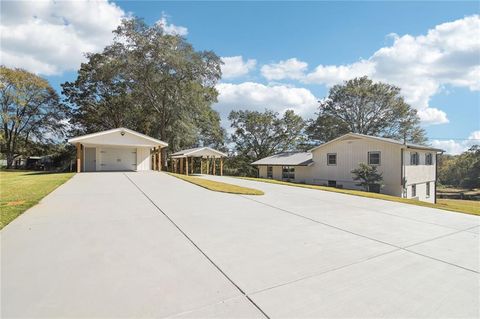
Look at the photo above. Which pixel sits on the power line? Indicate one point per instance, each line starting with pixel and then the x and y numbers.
pixel 455 139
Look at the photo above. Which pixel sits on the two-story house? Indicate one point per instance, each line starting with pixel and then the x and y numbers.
pixel 409 170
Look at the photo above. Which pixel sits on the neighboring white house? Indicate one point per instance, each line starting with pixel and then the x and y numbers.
pixel 118 149
pixel 409 170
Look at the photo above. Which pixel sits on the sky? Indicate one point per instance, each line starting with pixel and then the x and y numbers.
pixel 282 55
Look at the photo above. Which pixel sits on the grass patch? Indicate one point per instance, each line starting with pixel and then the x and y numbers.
pixel 20 190
pixel 462 206
pixel 218 186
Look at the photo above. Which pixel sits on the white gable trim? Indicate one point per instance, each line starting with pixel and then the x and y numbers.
pixel 120 129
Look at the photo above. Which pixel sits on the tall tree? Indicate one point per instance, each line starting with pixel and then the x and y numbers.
pixel 31 111
pixel 363 106
pixel 149 81
pixel 260 134
pixel 462 170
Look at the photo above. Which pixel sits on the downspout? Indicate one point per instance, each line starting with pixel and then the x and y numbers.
pixel 436 174
pixel 401 172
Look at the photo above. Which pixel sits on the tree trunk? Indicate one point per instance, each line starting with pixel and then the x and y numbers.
pixel 10 158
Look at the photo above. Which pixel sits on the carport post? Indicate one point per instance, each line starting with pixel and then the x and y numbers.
pixel 79 158
pixel 186 165
pixel 221 166
pixel 201 165
pixel 213 172
pixel 208 164
pixel 159 162
pixel 181 165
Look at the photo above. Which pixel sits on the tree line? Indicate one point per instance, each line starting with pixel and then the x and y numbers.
pixel 158 84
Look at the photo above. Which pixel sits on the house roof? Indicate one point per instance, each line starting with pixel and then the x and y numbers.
pixel 382 139
pixel 100 138
pixel 287 159
pixel 199 152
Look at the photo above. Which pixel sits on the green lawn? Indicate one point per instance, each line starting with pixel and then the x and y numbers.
pixel 218 186
pixel 20 190
pixel 462 206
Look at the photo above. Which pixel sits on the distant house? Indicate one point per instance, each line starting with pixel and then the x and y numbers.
pixel 409 170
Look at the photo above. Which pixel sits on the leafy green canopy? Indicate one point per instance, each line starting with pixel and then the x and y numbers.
pixel 363 106
pixel 462 170
pixel 31 113
pixel 367 176
pixel 151 82
pixel 260 134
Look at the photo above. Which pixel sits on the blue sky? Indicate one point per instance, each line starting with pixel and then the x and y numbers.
pixel 283 55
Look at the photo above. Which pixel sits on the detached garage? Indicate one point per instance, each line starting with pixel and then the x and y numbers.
pixel 118 149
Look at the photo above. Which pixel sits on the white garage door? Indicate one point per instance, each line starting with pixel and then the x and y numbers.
pixel 118 159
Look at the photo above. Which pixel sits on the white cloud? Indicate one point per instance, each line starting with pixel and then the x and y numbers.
pixel 288 69
pixel 420 65
pixel 456 147
pixel 50 37
pixel 170 28
pixel 333 74
pixel 235 66
pixel 256 96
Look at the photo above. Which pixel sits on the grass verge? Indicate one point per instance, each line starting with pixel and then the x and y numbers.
pixel 218 186
pixel 20 190
pixel 462 206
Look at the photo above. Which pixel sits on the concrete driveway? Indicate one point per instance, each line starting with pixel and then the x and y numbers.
pixel 150 245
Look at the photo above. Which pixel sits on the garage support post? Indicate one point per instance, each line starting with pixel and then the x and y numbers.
pixel 186 166
pixel 208 164
pixel 79 157
pixel 213 168
pixel 159 159
pixel 221 166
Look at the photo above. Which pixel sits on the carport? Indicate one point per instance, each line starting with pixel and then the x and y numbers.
pixel 119 149
pixel 185 162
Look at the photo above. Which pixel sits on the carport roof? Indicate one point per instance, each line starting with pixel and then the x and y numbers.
pixel 109 137
pixel 287 159
pixel 199 152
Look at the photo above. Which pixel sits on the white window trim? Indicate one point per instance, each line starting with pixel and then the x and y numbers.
pixel 431 159
pixel 269 166
pixel 379 158
pixel 328 162
pixel 417 156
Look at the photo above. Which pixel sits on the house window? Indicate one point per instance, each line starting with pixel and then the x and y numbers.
pixel 332 183
pixel 428 159
pixel 414 158
pixel 373 158
pixel 332 159
pixel 414 190
pixel 428 189
pixel 288 172
pixel 269 172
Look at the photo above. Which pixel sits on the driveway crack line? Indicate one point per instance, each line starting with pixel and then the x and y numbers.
pixel 363 236
pixel 197 247
pixel 373 210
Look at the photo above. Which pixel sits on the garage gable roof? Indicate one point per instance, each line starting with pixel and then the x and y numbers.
pixel 119 136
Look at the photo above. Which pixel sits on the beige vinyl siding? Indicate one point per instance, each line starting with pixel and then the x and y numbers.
pixel 143 159
pixel 350 153
pixel 419 175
